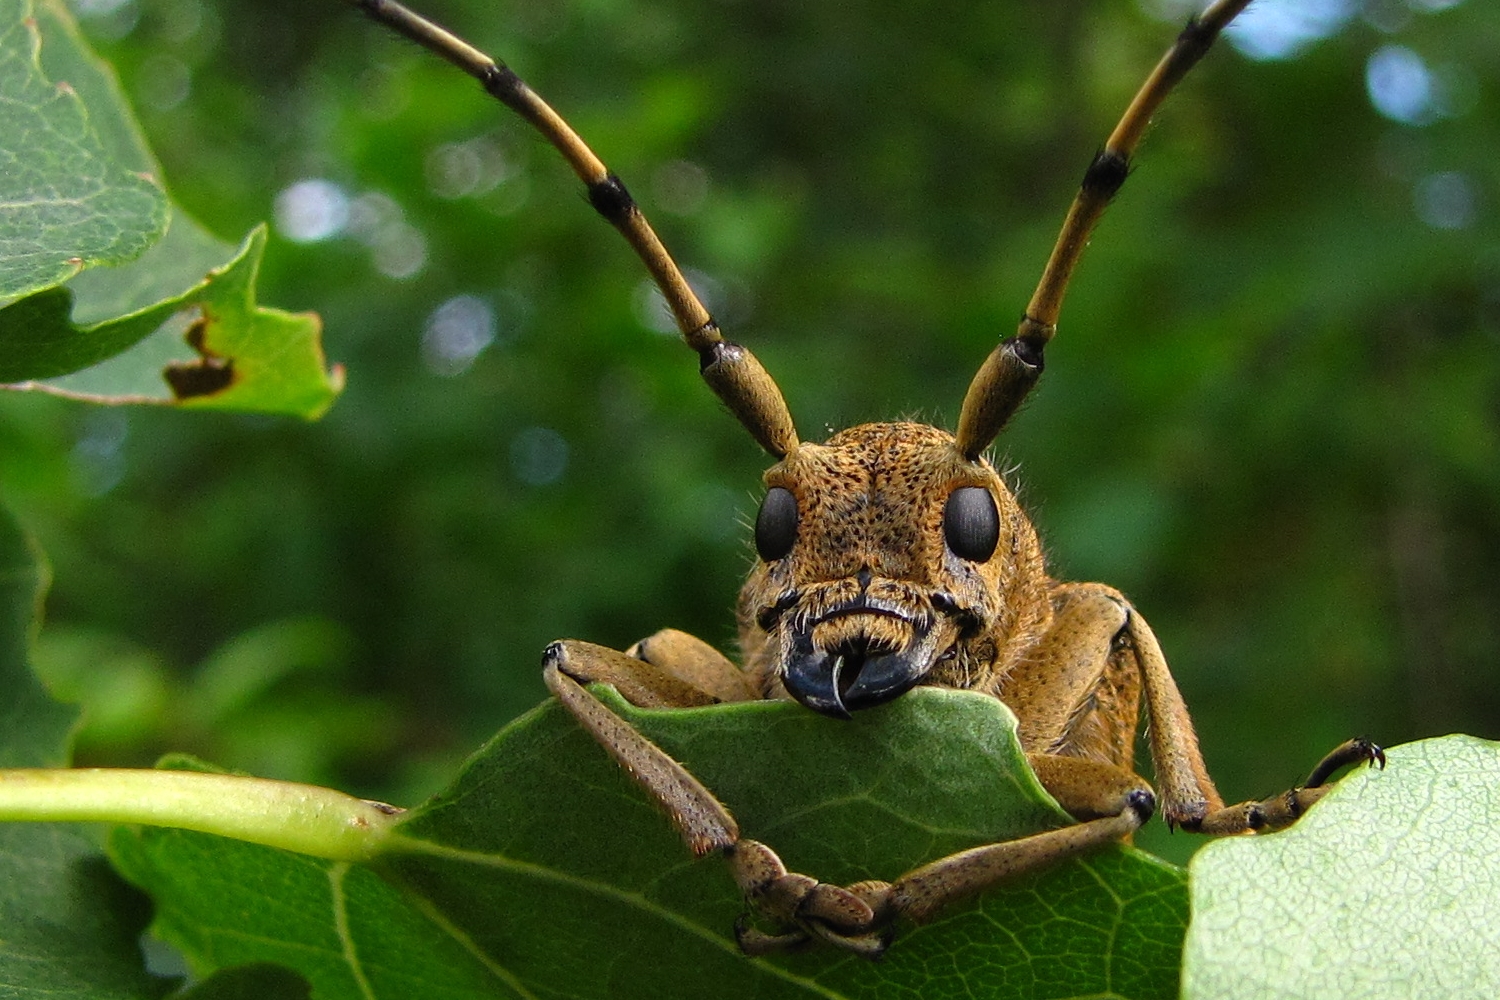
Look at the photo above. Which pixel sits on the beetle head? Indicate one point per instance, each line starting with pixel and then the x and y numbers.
pixel 887 560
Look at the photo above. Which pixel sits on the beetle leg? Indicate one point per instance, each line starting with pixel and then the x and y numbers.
pixel 654 682
pixel 1189 799
pixel 921 893
pixel 703 822
pixel 695 661
pixel 1283 810
pixel 1078 692
pixel 852 918
pixel 1111 801
pixel 816 910
pixel 1076 696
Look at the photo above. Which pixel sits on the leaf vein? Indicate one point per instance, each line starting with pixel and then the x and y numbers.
pixel 336 874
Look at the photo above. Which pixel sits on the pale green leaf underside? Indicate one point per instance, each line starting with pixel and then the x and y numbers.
pixel 544 872
pixel 1390 888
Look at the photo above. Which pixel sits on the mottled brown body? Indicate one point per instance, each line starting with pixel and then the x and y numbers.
pixel 891 556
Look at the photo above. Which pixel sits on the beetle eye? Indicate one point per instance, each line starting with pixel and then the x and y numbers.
pixel 971 524
pixel 776 524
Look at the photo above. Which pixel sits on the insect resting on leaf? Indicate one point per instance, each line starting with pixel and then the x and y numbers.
pixel 894 555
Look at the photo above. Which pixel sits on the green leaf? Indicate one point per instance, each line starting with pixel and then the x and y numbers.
pixel 179 322
pixel 33 728
pixel 249 982
pixel 544 871
pixel 1386 889
pixel 68 925
pixel 75 188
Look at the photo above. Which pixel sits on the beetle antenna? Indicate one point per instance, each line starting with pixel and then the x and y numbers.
pixel 1012 369
pixel 729 369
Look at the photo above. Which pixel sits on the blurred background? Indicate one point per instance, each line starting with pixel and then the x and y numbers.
pixel 1272 415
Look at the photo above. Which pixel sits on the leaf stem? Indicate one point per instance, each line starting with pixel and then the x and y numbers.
pixel 302 818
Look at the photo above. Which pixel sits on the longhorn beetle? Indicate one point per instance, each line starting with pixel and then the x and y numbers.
pixel 894 555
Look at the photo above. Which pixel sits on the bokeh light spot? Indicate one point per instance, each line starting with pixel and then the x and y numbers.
pixel 1400 85
pixel 538 456
pixel 1445 200
pixel 1279 29
pixel 311 210
pixel 680 187
pixel 456 334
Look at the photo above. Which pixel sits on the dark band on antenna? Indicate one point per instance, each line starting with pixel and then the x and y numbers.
pixel 1106 174
pixel 610 199
pixel 502 83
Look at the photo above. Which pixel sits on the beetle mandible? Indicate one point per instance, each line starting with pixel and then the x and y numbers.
pixel 894 555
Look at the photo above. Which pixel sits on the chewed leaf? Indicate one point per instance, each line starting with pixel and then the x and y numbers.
pixel 542 858
pixel 102 299
pixel 210 346
pixel 1386 889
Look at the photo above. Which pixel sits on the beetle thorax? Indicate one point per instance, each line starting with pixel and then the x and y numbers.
pixel 888 560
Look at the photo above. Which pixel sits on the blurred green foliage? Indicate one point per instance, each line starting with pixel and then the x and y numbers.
pixel 1272 415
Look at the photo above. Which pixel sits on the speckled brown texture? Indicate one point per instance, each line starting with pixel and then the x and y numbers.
pixel 871 500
